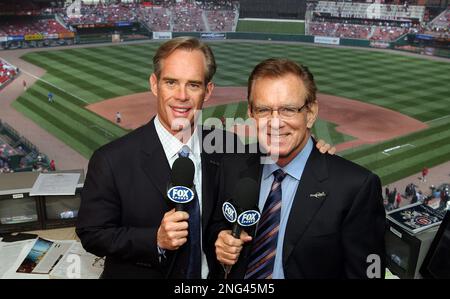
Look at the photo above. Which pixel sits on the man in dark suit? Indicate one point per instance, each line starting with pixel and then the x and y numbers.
pixel 321 215
pixel 124 214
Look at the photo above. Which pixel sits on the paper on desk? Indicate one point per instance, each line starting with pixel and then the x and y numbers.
pixel 55 184
pixel 11 255
pixel 89 266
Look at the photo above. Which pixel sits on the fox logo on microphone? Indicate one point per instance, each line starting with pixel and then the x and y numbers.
pixel 180 194
pixel 248 218
pixel 229 212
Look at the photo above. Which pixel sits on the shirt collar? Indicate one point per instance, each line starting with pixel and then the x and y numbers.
pixel 172 145
pixel 292 168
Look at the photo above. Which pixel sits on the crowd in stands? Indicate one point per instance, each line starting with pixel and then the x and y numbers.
pixel 18 154
pixel 346 30
pixel 26 26
pixel 20 7
pixel 157 19
pixel 441 25
pixel 388 33
pixel 221 20
pixel 220 5
pixel 187 17
pixel 378 22
pixel 370 10
pixel 166 16
pixel 103 13
pixel 7 73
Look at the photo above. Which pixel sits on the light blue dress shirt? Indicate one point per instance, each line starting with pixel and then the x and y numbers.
pixel 288 189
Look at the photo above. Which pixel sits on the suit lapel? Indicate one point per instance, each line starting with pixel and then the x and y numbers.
pixel 154 161
pixel 305 206
pixel 209 169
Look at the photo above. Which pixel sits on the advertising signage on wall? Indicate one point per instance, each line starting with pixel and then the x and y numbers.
pixel 326 40
pixel 212 35
pixel 66 35
pixel 162 35
pixel 123 24
pixel 36 36
pixel 15 37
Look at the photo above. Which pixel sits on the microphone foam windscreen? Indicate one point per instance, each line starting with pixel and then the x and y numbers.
pixel 183 170
pixel 246 193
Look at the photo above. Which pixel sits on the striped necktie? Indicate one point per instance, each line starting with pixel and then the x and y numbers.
pixel 195 256
pixel 262 257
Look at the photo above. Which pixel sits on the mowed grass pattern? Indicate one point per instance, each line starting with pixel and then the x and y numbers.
pixel 413 86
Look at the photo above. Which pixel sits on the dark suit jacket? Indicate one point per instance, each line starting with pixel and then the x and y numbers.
pixel 124 200
pixel 326 237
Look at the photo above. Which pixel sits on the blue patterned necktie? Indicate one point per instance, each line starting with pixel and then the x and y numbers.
pixel 195 258
pixel 262 257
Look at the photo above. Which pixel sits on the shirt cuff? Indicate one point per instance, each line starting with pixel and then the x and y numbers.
pixel 161 253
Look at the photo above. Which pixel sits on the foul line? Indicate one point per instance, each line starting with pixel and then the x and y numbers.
pixel 436 119
pixel 386 151
pixel 51 84
pixel 105 131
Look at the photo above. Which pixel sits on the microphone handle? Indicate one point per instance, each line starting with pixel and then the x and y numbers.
pixel 236 232
pixel 179 207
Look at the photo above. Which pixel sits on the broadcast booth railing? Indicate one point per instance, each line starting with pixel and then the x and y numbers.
pixel 21 212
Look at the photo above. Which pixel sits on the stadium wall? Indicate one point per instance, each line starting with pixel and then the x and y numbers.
pixel 280 9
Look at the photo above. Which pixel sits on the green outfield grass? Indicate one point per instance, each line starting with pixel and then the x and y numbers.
pixel 271 27
pixel 413 86
pixel 417 150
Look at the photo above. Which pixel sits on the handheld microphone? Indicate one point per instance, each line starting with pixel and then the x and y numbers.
pixel 182 180
pixel 242 210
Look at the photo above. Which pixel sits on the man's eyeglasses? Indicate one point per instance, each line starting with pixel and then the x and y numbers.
pixel 286 112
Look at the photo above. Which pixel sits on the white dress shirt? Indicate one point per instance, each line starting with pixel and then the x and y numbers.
pixel 172 146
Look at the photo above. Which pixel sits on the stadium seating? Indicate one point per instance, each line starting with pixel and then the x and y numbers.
pixel 7 73
pixel 441 24
pixel 18 154
pixel 26 26
pixel 373 21
pixel 221 20
pixel 156 18
pixel 104 13
pixel 169 16
pixel 370 10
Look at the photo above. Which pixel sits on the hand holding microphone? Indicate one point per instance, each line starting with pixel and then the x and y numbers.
pixel 173 231
pixel 228 248
pixel 242 211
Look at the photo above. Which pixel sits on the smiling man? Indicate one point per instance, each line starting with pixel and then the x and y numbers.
pixel 321 215
pixel 124 213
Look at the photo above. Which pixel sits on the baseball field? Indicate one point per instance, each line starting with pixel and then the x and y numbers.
pixel 415 87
